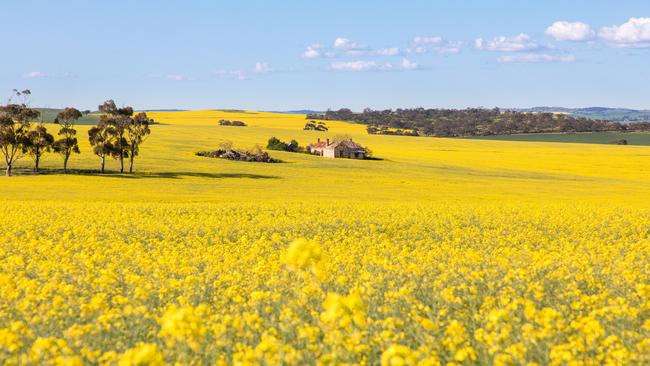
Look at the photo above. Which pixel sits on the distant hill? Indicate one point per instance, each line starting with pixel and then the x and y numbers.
pixel 48 115
pixel 605 113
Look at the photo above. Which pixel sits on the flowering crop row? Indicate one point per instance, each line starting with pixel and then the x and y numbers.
pixel 396 284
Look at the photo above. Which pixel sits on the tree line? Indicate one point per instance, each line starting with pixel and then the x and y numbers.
pixel 475 121
pixel 118 134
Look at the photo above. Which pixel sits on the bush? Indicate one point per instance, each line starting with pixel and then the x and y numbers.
pixel 225 122
pixel 275 144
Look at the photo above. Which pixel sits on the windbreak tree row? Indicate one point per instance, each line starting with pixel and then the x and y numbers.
pixel 119 134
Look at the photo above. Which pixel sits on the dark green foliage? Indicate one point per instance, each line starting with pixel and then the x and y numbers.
pixel 275 144
pixel 38 142
pixel 315 126
pixel 383 130
pixel 119 134
pixel 15 122
pixel 67 144
pixel 225 122
pixel 476 121
pixel 101 139
pixel 136 133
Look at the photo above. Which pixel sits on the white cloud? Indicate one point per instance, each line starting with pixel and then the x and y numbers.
pixel 238 74
pixel 635 33
pixel 361 65
pixel 570 31
pixel 346 44
pixel 35 74
pixel 312 51
pixel 356 66
pixel 390 51
pixel 262 67
pixel 427 40
pixel 520 42
pixel 408 65
pixel 535 58
pixel 435 44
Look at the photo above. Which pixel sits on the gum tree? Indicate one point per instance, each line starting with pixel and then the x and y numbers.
pixel 14 129
pixel 38 142
pixel 137 132
pixel 101 139
pixel 119 120
pixel 67 144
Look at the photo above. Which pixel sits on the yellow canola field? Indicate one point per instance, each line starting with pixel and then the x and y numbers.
pixel 449 251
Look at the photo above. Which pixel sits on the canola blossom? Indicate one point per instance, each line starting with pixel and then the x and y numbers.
pixel 448 252
pixel 398 284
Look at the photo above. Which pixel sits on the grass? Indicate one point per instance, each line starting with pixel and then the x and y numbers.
pixel 633 138
pixel 48 115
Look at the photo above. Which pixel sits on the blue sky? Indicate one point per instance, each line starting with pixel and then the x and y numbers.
pixel 317 54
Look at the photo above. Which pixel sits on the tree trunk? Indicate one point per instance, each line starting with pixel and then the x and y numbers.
pixel 103 160
pixel 131 157
pixel 8 171
pixel 37 158
pixel 65 163
pixel 122 164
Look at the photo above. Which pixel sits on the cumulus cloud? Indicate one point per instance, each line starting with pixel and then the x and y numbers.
pixel 356 66
pixel 35 74
pixel 262 67
pixel 635 33
pixel 408 65
pixel 435 44
pixel 345 47
pixel 570 31
pixel 361 65
pixel 388 51
pixel 535 58
pixel 312 51
pixel 518 43
pixel 346 44
pixel 427 40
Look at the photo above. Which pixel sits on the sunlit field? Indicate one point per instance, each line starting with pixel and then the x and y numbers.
pixel 447 251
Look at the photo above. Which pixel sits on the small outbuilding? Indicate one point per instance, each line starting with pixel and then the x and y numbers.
pixel 338 149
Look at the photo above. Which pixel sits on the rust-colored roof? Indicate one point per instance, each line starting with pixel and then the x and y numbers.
pixel 319 144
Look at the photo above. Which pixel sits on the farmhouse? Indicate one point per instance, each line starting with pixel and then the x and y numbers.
pixel 338 149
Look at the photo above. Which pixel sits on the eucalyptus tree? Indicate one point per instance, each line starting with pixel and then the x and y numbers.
pixel 67 144
pixel 101 140
pixel 119 119
pixel 137 132
pixel 38 142
pixel 15 120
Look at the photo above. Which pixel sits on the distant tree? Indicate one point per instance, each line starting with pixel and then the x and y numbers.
pixel 137 132
pixel 293 146
pixel 15 121
pixel 275 144
pixel 119 119
pixel 67 144
pixel 38 142
pixel 101 139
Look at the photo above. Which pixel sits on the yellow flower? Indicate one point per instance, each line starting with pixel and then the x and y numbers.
pixel 398 355
pixel 144 354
